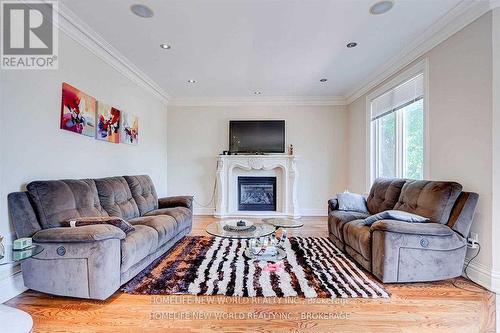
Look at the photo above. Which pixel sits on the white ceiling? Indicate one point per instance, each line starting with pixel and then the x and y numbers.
pixel 279 47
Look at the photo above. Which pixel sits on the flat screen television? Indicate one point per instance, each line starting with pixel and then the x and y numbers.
pixel 257 136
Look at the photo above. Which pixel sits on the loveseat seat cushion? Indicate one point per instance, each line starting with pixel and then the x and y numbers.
pixel 116 197
pixel 144 193
pixel 384 194
pixel 431 199
pixel 137 245
pixel 166 226
pixel 358 236
pixel 59 200
pixel 182 215
pixel 337 220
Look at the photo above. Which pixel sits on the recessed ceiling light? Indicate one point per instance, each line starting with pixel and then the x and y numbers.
pixel 323 80
pixel 257 92
pixel 142 11
pixel 352 44
pixel 381 7
pixel 191 81
pixel 166 46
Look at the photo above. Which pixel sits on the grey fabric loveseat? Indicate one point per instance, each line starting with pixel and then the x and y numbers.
pixel 94 261
pixel 397 251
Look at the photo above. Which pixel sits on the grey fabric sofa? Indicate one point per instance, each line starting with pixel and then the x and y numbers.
pixel 94 261
pixel 397 251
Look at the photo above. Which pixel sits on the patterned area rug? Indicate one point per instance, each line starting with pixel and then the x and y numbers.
pixel 202 265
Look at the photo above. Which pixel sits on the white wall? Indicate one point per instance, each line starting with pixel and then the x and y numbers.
pixel 196 135
pixel 33 147
pixel 460 106
pixel 495 235
pixel 357 146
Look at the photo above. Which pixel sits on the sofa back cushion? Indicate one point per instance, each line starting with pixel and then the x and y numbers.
pixel 430 199
pixel 57 201
pixel 144 193
pixel 384 194
pixel 116 197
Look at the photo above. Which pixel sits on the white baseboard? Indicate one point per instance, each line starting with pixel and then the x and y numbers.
pixel 204 211
pixel 484 276
pixel 304 212
pixel 11 286
pixel 314 212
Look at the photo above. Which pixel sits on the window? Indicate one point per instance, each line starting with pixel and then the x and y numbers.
pixel 397 131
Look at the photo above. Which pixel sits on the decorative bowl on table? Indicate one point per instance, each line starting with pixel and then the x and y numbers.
pixel 264 246
pixel 238 225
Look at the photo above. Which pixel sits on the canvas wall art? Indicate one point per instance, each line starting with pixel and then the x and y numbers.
pixel 130 128
pixel 108 123
pixel 78 111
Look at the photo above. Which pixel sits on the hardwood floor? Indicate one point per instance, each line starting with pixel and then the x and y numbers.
pixel 421 307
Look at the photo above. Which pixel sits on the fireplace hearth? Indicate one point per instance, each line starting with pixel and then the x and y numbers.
pixel 257 193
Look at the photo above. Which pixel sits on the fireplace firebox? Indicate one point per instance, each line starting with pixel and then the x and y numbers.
pixel 257 193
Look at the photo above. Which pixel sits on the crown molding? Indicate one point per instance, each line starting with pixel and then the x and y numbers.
pixel 70 24
pixel 456 19
pixel 260 100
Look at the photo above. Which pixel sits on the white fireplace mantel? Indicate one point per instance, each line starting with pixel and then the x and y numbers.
pixel 283 167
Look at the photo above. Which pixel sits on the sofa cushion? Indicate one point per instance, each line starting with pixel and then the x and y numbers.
pixel 182 215
pixel 144 193
pixel 431 199
pixel 352 202
pixel 84 234
pixel 384 194
pixel 165 226
pixel 137 245
pixel 337 219
pixel 358 237
pixel 95 220
pixel 59 200
pixel 398 215
pixel 116 198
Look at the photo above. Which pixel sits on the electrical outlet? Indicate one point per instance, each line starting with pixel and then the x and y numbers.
pixel 473 240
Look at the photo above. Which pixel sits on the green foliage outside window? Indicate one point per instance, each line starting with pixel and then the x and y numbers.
pixel 414 140
pixel 412 149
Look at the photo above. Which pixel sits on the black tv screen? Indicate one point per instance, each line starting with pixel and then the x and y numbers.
pixel 257 136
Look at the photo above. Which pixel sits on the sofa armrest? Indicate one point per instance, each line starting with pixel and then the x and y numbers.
pixel 84 234
pixel 333 204
pixel 401 227
pixel 169 202
pixel 414 252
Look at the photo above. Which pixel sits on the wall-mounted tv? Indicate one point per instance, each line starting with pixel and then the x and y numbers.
pixel 257 136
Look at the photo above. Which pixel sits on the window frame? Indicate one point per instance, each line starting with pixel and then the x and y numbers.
pixel 422 67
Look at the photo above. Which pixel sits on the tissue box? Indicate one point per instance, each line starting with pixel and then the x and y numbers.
pixel 21 243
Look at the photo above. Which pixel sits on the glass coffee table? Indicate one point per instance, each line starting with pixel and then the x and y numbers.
pixel 12 319
pixel 263 245
pixel 284 223
pixel 219 229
